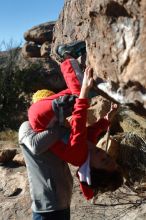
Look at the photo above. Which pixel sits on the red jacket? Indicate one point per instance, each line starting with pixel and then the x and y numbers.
pixel 76 150
pixel 41 114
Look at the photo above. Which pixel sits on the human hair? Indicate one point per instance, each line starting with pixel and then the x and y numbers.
pixel 103 180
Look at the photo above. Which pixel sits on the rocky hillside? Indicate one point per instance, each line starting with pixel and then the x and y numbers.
pixel 114 32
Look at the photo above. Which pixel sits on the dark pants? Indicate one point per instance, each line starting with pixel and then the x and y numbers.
pixel 56 215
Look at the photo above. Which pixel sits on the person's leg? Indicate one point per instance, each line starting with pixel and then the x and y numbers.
pixel 36 216
pixel 72 74
pixel 60 215
pixel 56 215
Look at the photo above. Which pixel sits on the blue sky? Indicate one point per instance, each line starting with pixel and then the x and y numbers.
pixel 17 16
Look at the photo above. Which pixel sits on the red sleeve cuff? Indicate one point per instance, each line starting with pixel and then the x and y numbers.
pixel 84 101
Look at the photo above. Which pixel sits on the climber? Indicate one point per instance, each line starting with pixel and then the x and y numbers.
pixel 35 147
pixel 44 113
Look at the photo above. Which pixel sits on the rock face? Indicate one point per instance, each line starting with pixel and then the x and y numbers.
pixel 114 32
pixel 98 109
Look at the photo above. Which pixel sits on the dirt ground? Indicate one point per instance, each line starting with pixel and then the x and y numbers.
pixel 123 204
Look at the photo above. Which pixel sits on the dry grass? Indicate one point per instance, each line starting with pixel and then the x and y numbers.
pixel 9 135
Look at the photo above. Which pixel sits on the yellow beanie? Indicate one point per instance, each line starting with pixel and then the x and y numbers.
pixel 40 94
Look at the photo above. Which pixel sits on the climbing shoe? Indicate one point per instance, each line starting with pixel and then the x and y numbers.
pixel 74 49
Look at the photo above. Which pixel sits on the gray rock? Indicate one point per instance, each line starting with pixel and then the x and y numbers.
pixel 7 155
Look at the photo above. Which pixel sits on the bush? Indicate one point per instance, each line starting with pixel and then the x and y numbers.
pixel 16 87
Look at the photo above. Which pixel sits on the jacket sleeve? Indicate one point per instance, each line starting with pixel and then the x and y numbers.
pixel 95 131
pixel 76 150
pixel 40 142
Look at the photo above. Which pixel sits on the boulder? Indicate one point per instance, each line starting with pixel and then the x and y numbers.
pixel 19 159
pixel 131 156
pixel 45 49
pixel 41 33
pixel 30 49
pixel 99 107
pixel 129 121
pixel 7 155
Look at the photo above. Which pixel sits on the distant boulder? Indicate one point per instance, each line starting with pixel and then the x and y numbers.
pixel 41 33
pixel 7 155
pixel 45 49
pixel 30 49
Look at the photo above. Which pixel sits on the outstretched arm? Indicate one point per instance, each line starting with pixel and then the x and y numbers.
pixel 39 142
pixel 87 83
